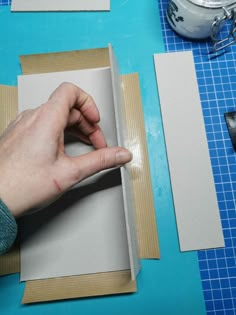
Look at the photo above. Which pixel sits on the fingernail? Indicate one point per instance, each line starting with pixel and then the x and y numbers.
pixel 123 156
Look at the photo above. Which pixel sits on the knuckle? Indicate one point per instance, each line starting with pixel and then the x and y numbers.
pixel 67 85
pixel 103 161
pixel 22 115
pixel 74 173
pixel 89 100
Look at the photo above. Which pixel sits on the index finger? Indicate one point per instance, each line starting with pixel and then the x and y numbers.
pixel 68 96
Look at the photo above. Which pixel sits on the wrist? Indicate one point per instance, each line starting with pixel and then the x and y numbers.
pixel 8 198
pixel 8 228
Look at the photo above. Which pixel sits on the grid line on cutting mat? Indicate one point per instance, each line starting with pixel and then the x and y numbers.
pixel 217 86
pixel 5 2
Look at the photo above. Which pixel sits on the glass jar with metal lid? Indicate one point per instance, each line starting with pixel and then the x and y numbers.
pixel 201 19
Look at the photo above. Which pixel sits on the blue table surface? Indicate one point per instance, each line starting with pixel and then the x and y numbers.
pixel 178 283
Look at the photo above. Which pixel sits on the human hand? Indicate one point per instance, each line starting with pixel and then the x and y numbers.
pixel 34 167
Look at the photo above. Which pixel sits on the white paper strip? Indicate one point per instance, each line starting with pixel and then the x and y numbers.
pixel 60 5
pixel 195 202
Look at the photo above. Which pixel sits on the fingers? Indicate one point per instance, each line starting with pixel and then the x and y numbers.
pixel 68 96
pixel 77 134
pixel 96 138
pixel 86 129
pixel 98 160
pixel 77 108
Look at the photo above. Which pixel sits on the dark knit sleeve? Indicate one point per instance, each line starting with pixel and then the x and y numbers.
pixel 8 228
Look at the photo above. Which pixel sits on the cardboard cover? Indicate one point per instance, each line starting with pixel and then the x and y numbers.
pixel 91 207
pixel 192 182
pixel 35 290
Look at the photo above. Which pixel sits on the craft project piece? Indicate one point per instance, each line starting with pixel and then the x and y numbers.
pixel 103 283
pixel 97 232
pixel 60 5
pixel 194 195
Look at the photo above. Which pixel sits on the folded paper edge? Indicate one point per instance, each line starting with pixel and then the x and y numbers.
pixel 129 204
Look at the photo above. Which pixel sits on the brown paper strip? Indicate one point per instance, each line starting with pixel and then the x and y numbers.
pixel 8 105
pixel 10 262
pixel 78 286
pixel 65 61
pixel 141 179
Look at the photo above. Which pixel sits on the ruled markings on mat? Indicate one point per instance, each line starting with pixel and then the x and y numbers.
pixel 218 75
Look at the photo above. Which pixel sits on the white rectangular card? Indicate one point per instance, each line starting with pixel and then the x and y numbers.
pixel 60 5
pixel 192 182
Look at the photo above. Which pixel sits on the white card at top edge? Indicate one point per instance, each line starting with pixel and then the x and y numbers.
pixel 60 5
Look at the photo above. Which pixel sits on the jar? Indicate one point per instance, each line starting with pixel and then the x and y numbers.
pixel 201 19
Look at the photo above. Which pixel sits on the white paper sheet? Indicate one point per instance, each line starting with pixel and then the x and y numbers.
pixel 60 5
pixel 196 208
pixel 89 235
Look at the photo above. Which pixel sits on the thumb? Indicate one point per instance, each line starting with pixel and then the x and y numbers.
pixel 98 160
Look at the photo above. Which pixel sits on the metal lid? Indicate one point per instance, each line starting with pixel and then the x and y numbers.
pixel 213 3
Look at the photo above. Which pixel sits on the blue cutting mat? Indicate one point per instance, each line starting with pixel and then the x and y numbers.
pixel 5 2
pixel 217 85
